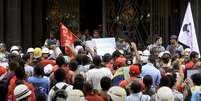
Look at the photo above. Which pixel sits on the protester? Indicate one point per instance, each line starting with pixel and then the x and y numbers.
pixel 40 83
pixel 22 93
pixel 148 82
pixel 105 83
pixel 94 75
pixel 90 93
pixel 174 45
pixel 136 94
pixel 61 90
pixel 150 69
pixel 28 62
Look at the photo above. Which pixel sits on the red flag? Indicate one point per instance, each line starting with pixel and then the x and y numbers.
pixel 67 37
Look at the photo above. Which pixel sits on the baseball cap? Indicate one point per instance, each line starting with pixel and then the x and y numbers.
pixel 164 94
pixel 21 91
pixel 37 52
pixel 134 69
pixel 45 50
pixel 76 95
pixel 117 93
pixel 30 50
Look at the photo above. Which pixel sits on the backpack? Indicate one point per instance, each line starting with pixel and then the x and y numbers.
pixel 40 92
pixel 4 83
pixel 60 94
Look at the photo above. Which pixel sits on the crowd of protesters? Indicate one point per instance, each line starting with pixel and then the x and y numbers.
pixel 79 74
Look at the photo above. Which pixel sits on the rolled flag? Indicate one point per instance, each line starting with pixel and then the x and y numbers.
pixel 187 35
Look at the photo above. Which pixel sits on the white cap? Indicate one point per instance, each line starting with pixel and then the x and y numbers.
pixel 45 50
pixel 76 95
pixel 14 48
pixel 164 94
pixel 21 91
pixel 15 52
pixel 48 69
pixel 167 52
pixel 117 93
pixel 187 50
pixel 160 54
pixel 146 53
pixel 30 50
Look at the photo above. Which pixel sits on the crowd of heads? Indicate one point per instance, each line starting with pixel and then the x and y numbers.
pixel 50 73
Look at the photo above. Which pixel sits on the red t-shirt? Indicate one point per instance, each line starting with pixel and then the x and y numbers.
pixel 94 98
pixel 190 65
pixel 47 61
pixel 2 70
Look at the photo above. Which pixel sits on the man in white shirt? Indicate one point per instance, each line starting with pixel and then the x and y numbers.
pixel 97 73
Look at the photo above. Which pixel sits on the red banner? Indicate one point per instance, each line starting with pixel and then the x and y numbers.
pixel 66 36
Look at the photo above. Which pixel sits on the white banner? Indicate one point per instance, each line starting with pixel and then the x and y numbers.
pixel 105 45
pixel 187 34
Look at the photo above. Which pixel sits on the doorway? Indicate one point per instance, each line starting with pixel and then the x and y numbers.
pixel 90 14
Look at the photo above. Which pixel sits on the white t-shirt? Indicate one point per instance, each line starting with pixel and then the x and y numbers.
pixel 28 69
pixel 96 74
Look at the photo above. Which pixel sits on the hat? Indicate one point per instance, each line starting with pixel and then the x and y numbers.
pixel 76 95
pixel 187 50
pixel 173 37
pixel 15 52
pixel 30 50
pixel 160 54
pixel 37 53
pixel 21 91
pixel 2 45
pixel 146 53
pixel 14 48
pixel 48 69
pixel 117 93
pixel 134 69
pixel 45 50
pixel 164 94
pixel 120 61
pixel 140 52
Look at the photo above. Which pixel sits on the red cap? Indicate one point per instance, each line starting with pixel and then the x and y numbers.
pixel 134 69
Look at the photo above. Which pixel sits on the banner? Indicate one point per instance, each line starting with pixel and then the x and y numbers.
pixel 104 45
pixel 66 36
pixel 187 35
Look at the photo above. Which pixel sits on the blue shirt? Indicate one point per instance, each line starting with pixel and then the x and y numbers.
pixel 196 95
pixel 149 69
pixel 40 82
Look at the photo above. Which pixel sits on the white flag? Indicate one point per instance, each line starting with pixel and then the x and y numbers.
pixel 187 34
